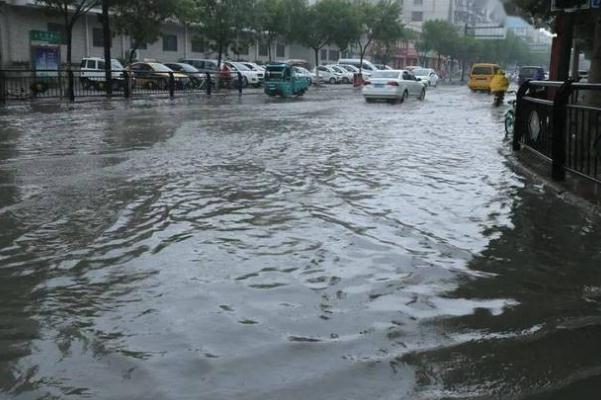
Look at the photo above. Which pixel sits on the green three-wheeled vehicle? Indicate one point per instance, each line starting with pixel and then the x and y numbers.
pixel 283 80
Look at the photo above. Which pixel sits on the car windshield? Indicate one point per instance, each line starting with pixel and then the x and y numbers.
pixel 160 67
pixel 349 68
pixel 240 66
pixel 385 75
pixel 421 72
pixel 187 67
pixel 530 72
pixel 274 73
pixel 115 64
pixel 482 71
pixel 338 69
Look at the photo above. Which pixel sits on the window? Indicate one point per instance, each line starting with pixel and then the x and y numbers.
pixel 417 16
pixel 60 29
pixel 280 50
pixel 141 46
pixel 198 44
pixel 97 37
pixel 324 54
pixel 169 43
pixel 263 50
pixel 418 2
pixel 334 54
pixel 91 64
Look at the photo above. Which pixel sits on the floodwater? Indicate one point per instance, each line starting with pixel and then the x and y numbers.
pixel 317 248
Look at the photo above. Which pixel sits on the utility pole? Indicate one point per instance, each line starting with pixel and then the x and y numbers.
pixel 107 39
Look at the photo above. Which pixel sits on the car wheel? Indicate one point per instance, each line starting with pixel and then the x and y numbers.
pixel 244 82
pixel 422 95
pixel 404 97
pixel 332 81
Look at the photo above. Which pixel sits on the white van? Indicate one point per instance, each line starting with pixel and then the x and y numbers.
pixel 367 66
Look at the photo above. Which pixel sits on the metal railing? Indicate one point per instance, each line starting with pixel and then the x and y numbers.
pixel 73 84
pixel 560 121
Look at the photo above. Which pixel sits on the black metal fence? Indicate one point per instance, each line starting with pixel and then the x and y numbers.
pixel 560 121
pixel 70 85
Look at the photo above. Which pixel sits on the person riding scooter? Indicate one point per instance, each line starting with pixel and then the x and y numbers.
pixel 498 86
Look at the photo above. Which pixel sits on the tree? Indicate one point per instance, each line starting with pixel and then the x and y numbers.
pixel 313 26
pixel 71 11
pixel 270 22
pixel 348 30
pixel 439 36
pixel 223 21
pixel 377 22
pixel 141 20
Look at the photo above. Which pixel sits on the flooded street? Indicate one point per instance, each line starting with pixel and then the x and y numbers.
pixel 318 248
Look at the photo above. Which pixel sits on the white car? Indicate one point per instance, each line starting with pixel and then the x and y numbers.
pixel 300 71
pixel 249 77
pixel 347 77
pixel 253 66
pixel 92 72
pixel 327 74
pixel 426 75
pixel 393 85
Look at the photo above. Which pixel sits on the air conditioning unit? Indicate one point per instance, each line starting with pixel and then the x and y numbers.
pixel 571 5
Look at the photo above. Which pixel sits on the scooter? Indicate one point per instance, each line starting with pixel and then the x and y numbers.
pixel 498 100
pixel 510 118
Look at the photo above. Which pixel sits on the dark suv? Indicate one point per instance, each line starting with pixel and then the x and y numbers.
pixel 531 73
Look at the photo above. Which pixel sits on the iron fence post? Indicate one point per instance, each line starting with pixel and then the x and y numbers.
pixel 126 83
pixel 171 85
pixel 239 82
pixel 209 83
pixel 517 131
pixel 2 87
pixel 71 86
pixel 558 129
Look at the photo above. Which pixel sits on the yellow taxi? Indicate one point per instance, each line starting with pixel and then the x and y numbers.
pixel 481 76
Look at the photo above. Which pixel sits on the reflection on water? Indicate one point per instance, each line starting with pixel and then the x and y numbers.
pixel 257 249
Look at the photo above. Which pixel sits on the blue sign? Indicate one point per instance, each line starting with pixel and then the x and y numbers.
pixel 595 3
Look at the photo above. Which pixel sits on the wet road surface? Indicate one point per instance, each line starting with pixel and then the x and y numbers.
pixel 319 248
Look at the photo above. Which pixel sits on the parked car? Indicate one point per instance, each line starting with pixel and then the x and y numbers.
pixel 583 76
pixel 426 75
pixel 203 65
pixel 347 77
pixel 327 74
pixel 249 77
pixel 93 73
pixel 383 67
pixel 534 73
pixel 366 67
pixel 153 75
pixel 303 72
pixel 393 86
pixel 196 77
pixel 481 76
pixel 254 66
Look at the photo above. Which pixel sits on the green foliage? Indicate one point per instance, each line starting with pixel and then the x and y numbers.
pixel 223 22
pixel 141 19
pixel 378 23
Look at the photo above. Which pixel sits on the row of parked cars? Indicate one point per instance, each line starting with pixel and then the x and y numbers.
pixel 155 75
pixel 193 72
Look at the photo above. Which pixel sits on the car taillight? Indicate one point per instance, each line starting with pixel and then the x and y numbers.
pixel 393 83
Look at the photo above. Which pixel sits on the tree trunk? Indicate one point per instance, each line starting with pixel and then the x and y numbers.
pixel 132 52
pixel 108 73
pixel 316 50
pixel 269 54
pixel 220 54
pixel 70 82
